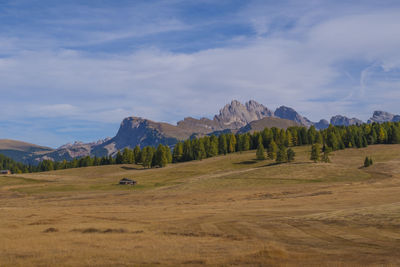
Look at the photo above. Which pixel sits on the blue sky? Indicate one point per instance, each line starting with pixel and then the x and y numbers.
pixel 72 70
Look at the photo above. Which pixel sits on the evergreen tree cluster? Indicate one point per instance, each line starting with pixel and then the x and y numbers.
pixel 7 163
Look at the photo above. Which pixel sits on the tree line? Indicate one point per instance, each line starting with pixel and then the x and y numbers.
pixel 273 141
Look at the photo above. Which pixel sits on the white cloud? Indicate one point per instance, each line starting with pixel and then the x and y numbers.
pixel 304 66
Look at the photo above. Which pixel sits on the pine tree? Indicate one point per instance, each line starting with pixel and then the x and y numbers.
pixel 315 150
pixel 223 146
pixel 290 155
pixel 281 155
pixel 231 143
pixel 199 150
pixel 187 151
pixel 289 139
pixel 118 158
pixel 260 154
pixel 213 151
pixel 272 150
pixel 177 154
pixel 137 155
pixel 311 134
pixel 367 162
pixel 127 156
pixel 169 154
pixel 325 156
pixel 246 142
pixel 161 158
pixel 395 135
pixel 147 157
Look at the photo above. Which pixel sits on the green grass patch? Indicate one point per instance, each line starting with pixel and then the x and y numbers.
pixel 14 180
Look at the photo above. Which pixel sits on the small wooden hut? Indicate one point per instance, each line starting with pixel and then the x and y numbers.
pixel 126 181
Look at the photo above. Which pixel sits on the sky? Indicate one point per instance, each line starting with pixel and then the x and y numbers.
pixel 72 70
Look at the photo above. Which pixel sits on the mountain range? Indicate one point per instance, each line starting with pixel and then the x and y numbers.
pixel 234 117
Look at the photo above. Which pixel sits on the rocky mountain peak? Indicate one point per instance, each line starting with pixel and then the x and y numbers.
pixel 288 113
pixel 322 124
pixel 383 116
pixel 236 115
pixel 340 120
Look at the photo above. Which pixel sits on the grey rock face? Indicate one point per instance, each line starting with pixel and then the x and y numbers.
pixel 383 116
pixel 290 114
pixel 137 131
pixel 322 124
pixel 236 115
pixel 340 120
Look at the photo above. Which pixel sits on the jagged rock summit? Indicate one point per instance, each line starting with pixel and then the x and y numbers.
pixel 340 120
pixel 383 116
pixel 284 112
pixel 322 124
pixel 236 115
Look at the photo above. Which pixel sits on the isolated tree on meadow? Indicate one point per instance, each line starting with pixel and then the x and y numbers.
pixel 368 162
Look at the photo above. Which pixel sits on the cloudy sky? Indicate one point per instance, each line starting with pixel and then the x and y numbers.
pixel 72 70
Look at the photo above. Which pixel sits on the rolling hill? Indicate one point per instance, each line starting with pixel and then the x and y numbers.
pixel 22 151
pixel 222 211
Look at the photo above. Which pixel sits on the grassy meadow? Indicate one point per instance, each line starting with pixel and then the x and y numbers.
pixel 222 211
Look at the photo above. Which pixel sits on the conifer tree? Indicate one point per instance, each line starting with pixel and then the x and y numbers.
pixel 213 146
pixel 169 154
pixel 127 156
pixel 198 149
pixel 272 150
pixel 367 162
pixel 187 151
pixel 118 158
pixel 161 158
pixel 260 154
pixel 315 150
pixel 246 142
pixel 137 155
pixel 281 155
pixel 325 156
pixel 223 146
pixel 290 155
pixel 177 155
pixel 147 157
pixel 231 142
pixel 289 139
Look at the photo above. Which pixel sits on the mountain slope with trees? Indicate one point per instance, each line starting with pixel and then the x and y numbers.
pixel 232 118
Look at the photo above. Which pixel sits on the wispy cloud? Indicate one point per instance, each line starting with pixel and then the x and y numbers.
pixel 84 64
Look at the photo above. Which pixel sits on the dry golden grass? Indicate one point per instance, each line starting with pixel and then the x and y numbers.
pixel 228 210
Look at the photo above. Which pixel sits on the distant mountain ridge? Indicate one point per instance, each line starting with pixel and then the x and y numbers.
pixel 340 120
pixel 382 116
pixel 234 117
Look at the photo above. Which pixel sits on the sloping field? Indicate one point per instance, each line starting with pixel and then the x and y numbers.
pixel 228 210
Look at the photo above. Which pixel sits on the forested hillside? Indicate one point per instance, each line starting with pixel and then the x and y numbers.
pixel 272 139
